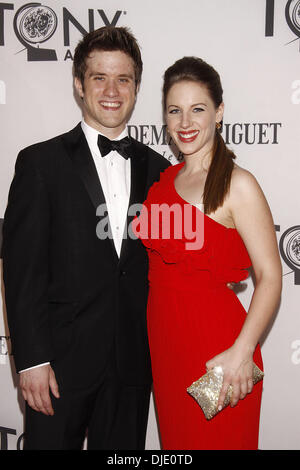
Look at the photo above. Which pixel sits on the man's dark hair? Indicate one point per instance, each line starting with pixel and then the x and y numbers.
pixel 108 38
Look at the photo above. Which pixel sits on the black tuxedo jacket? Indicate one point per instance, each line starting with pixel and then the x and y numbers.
pixel 69 298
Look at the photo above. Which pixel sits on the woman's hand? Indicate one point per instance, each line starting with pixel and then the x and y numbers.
pixel 237 368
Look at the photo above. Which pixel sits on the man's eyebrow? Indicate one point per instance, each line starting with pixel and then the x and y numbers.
pixel 126 75
pixel 93 73
pixel 123 75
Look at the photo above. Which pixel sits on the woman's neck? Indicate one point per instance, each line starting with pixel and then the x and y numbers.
pixel 199 162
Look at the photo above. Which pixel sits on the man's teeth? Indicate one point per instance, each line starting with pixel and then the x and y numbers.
pixel 188 136
pixel 109 104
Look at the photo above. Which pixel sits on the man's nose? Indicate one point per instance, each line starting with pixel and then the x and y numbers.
pixel 111 88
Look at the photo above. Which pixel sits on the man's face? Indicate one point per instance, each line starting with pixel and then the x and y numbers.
pixel 108 91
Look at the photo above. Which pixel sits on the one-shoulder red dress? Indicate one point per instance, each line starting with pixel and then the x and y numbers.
pixel 193 316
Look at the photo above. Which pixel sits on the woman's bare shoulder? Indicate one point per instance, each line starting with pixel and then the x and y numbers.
pixel 243 183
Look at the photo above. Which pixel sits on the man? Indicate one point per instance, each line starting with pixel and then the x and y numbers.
pixel 76 297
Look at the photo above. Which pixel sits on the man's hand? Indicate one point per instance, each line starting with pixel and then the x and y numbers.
pixel 35 384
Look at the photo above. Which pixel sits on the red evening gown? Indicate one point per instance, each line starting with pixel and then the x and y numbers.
pixel 192 317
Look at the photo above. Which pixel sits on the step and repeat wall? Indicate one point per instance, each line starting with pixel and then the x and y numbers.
pixel 255 46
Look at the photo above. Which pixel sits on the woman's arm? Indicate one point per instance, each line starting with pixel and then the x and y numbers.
pixel 253 220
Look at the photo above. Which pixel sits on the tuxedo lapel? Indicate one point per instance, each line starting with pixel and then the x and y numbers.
pixel 137 193
pixel 79 152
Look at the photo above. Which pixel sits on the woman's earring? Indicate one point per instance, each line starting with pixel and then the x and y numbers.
pixel 218 125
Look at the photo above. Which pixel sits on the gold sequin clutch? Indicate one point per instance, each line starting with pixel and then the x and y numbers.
pixel 206 390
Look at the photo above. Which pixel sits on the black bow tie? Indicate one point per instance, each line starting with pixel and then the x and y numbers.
pixel 121 146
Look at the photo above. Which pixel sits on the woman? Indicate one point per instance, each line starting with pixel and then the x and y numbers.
pixel 195 322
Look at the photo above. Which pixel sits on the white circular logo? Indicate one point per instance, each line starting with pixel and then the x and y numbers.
pixel 37 24
pixel 292 14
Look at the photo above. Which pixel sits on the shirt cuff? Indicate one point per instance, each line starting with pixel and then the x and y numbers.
pixel 34 367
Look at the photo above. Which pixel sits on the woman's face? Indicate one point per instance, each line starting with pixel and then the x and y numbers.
pixel 191 117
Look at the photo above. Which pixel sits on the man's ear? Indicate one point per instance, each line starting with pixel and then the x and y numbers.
pixel 79 87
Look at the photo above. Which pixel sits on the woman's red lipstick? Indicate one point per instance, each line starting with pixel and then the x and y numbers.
pixel 187 136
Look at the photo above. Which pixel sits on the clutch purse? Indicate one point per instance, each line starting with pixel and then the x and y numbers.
pixel 206 390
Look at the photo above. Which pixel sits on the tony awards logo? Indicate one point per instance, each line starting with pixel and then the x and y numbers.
pixel 292 15
pixel 34 24
pixel 290 250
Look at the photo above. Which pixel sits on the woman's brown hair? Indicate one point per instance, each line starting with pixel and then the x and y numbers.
pixel 219 174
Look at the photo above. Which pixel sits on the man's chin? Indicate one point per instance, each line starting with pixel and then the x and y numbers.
pixel 112 123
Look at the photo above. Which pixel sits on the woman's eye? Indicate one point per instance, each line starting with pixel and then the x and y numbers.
pixel 198 110
pixel 174 111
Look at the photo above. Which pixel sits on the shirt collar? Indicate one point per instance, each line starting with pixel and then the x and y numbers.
pixel 91 135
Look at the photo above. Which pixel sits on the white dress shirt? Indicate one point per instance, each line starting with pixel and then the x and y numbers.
pixel 114 173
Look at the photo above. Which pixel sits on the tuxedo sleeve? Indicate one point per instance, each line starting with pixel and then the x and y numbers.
pixel 25 252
